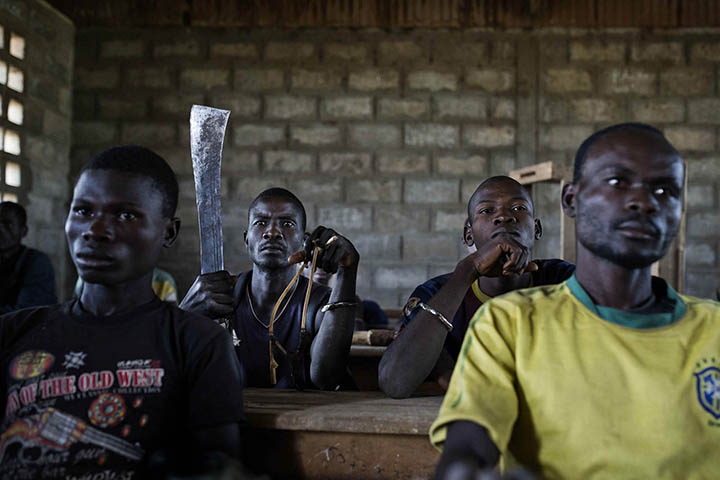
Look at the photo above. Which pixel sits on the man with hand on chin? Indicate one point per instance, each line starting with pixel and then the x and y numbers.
pixel 318 358
pixel 117 383
pixel 502 228
pixel 611 374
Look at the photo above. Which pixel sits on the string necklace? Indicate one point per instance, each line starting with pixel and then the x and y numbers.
pixel 252 310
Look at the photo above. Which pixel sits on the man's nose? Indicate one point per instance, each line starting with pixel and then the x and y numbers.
pixel 504 216
pixel 641 199
pixel 98 229
pixel 272 231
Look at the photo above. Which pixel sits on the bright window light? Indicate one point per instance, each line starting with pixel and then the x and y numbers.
pixel 9 197
pixel 12 174
pixel 15 111
pixel 17 46
pixel 3 73
pixel 2 37
pixel 16 79
pixel 12 142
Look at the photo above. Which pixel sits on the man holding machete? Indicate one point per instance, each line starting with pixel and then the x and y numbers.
pixel 276 229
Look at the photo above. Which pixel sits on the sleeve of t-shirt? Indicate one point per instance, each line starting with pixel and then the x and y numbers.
pixel 214 379
pixel 482 388
pixel 422 293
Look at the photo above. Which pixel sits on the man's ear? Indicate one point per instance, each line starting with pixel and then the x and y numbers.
pixel 245 238
pixel 172 230
pixel 538 229
pixel 567 198
pixel 468 239
pixel 23 231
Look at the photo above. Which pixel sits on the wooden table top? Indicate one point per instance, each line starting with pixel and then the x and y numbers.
pixel 360 412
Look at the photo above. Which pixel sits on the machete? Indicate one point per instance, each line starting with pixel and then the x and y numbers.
pixel 207 131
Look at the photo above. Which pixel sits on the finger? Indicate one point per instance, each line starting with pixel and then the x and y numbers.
pixel 331 258
pixel 325 237
pixel 312 240
pixel 223 299
pixel 220 310
pixel 532 267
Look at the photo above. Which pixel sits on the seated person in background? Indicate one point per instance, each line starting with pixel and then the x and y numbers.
pixel 503 230
pixel 116 384
pixel 163 284
pixel 276 229
pixel 611 374
pixel 27 278
pixel 368 314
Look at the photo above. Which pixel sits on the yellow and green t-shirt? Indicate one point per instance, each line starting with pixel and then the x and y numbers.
pixel 570 394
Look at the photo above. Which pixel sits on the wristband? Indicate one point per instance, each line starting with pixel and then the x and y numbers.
pixel 437 314
pixel 332 306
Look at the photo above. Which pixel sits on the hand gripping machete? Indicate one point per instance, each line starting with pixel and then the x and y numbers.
pixel 207 131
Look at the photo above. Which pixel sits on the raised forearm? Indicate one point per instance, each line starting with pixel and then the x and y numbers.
pixel 331 346
pixel 412 355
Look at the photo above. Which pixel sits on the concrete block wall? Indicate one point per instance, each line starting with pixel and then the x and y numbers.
pixel 46 129
pixel 384 135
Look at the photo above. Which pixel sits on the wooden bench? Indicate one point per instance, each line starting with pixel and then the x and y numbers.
pixel 339 435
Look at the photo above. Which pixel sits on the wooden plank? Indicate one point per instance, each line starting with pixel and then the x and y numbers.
pixel 540 172
pixel 358 412
pixel 367 350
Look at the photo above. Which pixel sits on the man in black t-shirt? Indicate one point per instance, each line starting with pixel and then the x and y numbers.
pixel 27 277
pixel 116 384
pixel 500 231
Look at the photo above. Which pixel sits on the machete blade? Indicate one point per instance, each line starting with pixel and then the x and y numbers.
pixel 207 131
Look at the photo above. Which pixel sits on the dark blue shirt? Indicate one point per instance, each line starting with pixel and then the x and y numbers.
pixel 28 280
pixel 549 272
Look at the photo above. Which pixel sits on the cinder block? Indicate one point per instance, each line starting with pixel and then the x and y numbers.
pixel 145 133
pixel 702 283
pixel 285 107
pixel 460 164
pixel 177 48
pixel 240 162
pixel 175 105
pixel 686 81
pixel 247 188
pixel 700 253
pixel 460 106
pixel 432 80
pixel 432 135
pixel 383 190
pixel 288 162
pixel 289 51
pixel 662 52
pixel 488 136
pixel 503 108
pixel 205 78
pixel 122 107
pixel 566 80
pixel 553 109
pixel 704 110
pixel 597 51
pixel 345 52
pixel 374 79
pixel 705 52
pixel 705 223
pixel 401 219
pixel 703 169
pixel 590 110
pixel 401 52
pixel 701 196
pixel 412 108
pixel 316 135
pixel 490 80
pixel 403 162
pixel 83 107
pixel 432 191
pixel 454 52
pixel 318 189
pixel 259 79
pixel 122 49
pixel 691 138
pixel 436 247
pixel 236 50
pixel 377 247
pixel 303 79
pixel 374 135
pixel 90 133
pixel 345 218
pixel 258 134
pixel 658 111
pixel 150 77
pixel 453 221
pixel 628 80
pixel 241 106
pixel 100 78
pixel 407 277
pixel 503 51
pixel 347 107
pixel 561 137
pixel 346 163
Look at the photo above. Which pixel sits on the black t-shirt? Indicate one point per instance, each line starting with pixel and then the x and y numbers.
pixel 96 395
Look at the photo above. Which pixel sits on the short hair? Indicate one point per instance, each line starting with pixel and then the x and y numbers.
pixel 279 192
pixel 17 210
pixel 581 154
pixel 494 179
pixel 141 161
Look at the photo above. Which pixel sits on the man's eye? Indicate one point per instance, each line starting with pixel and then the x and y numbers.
pixel 485 211
pixel 615 181
pixel 660 191
pixel 288 224
pixel 519 207
pixel 260 223
pixel 81 211
pixel 127 216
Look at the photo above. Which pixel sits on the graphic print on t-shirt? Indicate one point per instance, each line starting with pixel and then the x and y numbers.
pixel 57 415
pixel 707 381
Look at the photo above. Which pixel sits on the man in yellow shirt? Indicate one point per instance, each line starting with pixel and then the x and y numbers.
pixel 611 374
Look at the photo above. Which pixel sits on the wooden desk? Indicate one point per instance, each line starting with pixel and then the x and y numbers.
pixel 339 435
